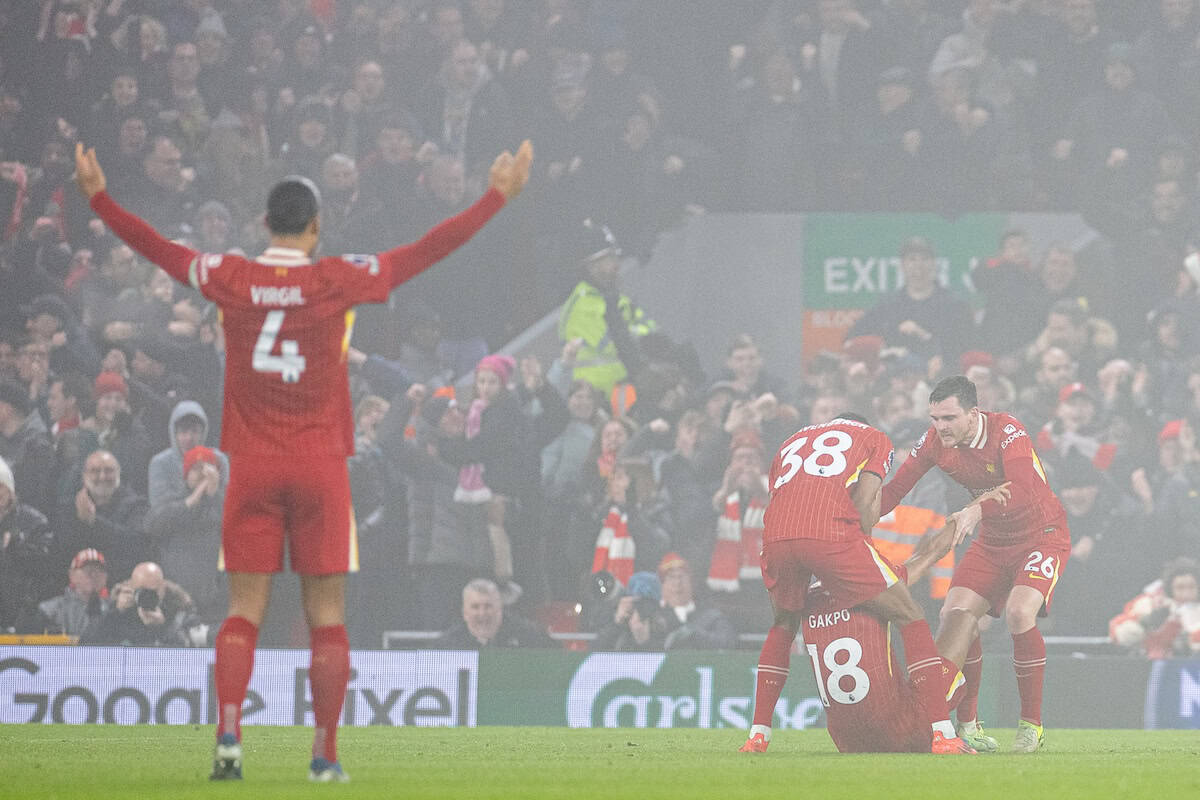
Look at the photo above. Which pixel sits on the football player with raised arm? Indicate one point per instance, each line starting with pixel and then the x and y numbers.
pixel 287 424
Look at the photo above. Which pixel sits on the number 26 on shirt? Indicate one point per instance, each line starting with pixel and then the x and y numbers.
pixel 289 363
pixel 827 456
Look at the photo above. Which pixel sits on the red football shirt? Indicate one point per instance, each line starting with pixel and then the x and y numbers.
pixel 869 704
pixel 287 323
pixel 810 479
pixel 1000 451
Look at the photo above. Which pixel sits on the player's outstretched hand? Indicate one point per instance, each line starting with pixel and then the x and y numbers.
pixel 88 173
pixel 509 173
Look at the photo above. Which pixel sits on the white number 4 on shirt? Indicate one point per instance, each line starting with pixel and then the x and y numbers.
pixel 289 363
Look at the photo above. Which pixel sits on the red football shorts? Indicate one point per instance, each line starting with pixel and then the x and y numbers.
pixel 992 571
pixel 301 500
pixel 851 570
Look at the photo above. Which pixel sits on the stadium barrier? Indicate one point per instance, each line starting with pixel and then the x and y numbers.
pixel 539 687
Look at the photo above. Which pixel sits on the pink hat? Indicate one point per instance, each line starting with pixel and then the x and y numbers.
pixel 498 363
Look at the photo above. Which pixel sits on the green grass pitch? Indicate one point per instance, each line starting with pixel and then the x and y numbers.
pixel 135 762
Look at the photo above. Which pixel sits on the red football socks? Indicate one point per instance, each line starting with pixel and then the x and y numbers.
pixel 972 670
pixel 772 673
pixel 925 671
pixel 1029 661
pixel 328 675
pixel 235 661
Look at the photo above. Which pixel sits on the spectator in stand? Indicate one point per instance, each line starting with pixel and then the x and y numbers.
pixel 1087 339
pixel 497 464
pixel 1165 489
pixel 105 515
pixel 168 481
pixel 147 611
pixel 185 109
pixel 883 141
pixel 1110 539
pixel 922 316
pixel 563 459
pixel 365 105
pixel 690 626
pixel 1112 155
pixel 446 540
pixel 466 112
pixel 311 140
pixel 27 549
pixel 688 487
pixel 1006 282
pixel 639 622
pixel 778 138
pixel 165 196
pixel 25 445
pixel 485 623
pixel 113 427
pixel 186 532
pixel 1165 57
pixel 1164 620
pixel 392 166
pixel 50 322
pixel 213 228
pixel 1037 402
pixel 343 210
pixel 585 315
pixel 84 601
pixel 33 371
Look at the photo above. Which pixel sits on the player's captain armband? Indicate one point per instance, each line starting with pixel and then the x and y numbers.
pixel 369 262
pixel 201 264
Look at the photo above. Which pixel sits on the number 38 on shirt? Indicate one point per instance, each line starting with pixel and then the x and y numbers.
pixel 825 457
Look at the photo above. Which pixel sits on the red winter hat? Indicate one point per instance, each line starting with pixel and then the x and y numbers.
pixel 1072 389
pixel 975 358
pixel 1171 430
pixel 745 437
pixel 107 383
pixel 198 453
pixel 88 556
pixel 500 364
pixel 671 561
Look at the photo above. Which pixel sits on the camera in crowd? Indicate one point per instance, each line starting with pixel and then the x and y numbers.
pixel 146 599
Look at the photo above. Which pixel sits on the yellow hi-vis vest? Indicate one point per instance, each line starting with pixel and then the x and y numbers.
pixel 897 534
pixel 582 317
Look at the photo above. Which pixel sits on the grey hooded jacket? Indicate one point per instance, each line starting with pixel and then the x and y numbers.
pixel 167 481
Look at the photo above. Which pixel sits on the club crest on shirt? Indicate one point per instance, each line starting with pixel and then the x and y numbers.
pixel 990 467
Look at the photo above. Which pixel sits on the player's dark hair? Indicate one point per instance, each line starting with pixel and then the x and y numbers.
pixel 291 206
pixel 853 416
pixel 959 386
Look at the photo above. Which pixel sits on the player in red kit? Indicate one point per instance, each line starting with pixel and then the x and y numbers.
pixel 1022 547
pixel 825 483
pixel 870 705
pixel 287 425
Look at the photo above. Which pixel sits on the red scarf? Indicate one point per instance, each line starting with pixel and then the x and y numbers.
pixel 614 546
pixel 736 554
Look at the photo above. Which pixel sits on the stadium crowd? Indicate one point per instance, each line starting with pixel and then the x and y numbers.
pixel 618 488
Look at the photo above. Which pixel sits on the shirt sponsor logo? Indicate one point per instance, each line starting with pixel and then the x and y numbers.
pixel 1012 437
pixel 276 296
pixel 1010 428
